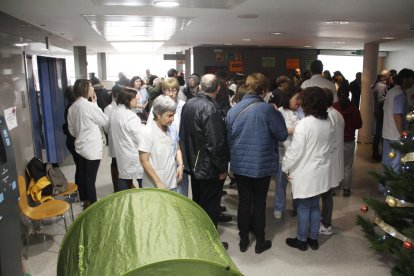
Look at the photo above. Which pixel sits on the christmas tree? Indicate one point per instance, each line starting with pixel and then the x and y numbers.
pixel 390 227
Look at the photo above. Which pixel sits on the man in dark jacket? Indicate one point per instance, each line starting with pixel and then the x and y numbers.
pixel 204 146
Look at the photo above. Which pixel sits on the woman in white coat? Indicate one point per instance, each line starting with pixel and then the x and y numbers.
pixel 307 163
pixel 125 131
pixel 85 119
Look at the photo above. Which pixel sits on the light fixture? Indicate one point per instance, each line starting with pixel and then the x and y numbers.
pixel 21 44
pixel 388 37
pixel 338 22
pixel 277 33
pixel 307 46
pixel 247 39
pixel 166 4
pixel 228 44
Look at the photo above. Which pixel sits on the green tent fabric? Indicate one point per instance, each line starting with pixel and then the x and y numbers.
pixel 144 232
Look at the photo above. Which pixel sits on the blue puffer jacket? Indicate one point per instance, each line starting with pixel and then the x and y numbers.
pixel 253 137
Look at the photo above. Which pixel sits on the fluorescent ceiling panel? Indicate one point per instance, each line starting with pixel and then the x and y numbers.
pixel 136 46
pixel 137 28
pixel 201 4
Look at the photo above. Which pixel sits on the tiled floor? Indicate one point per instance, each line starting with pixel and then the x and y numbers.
pixel 346 252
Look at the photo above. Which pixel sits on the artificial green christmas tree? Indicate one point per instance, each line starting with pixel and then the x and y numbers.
pixel 391 230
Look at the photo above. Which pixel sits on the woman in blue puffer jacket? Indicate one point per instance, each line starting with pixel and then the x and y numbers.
pixel 254 130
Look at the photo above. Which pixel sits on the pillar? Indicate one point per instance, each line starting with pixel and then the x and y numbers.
pixel 79 54
pixel 102 66
pixel 369 74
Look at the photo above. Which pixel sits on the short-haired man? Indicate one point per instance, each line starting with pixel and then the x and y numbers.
pixel 395 109
pixel 318 80
pixel 203 141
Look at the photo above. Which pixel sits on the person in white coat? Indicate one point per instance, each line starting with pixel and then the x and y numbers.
pixel 171 87
pixel 126 128
pixel 85 119
pixel 289 104
pixel 307 162
pixel 338 124
pixel 160 157
pixel 108 112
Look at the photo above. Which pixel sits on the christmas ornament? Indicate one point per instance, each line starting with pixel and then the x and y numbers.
pixel 392 231
pixel 408 245
pixel 409 157
pixel 409 117
pixel 404 134
pixel 391 155
pixel 364 208
pixel 395 202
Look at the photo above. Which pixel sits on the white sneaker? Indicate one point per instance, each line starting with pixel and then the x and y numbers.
pixel 277 214
pixel 325 231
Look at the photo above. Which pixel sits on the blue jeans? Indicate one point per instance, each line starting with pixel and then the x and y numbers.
pixel 308 218
pixel 280 191
pixel 183 187
pixel 386 161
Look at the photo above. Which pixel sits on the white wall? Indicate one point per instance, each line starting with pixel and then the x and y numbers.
pixel 400 59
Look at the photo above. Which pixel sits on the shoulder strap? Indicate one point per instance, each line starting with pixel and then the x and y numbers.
pixel 245 109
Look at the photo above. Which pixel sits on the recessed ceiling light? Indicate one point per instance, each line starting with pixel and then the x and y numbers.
pixel 247 39
pixel 338 42
pixel 277 33
pixel 228 44
pixel 388 37
pixel 248 16
pixel 21 44
pixel 339 22
pixel 307 46
pixel 166 4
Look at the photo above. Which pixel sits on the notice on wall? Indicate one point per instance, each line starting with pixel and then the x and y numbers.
pixel 10 116
pixel 292 63
pixel 268 62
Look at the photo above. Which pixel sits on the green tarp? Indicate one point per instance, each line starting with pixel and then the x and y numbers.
pixel 144 232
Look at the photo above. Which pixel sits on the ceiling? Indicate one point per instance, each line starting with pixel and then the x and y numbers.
pixel 139 26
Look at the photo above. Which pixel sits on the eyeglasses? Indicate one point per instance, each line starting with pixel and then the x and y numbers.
pixel 170 91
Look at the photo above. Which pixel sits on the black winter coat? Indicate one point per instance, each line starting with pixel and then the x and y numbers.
pixel 203 138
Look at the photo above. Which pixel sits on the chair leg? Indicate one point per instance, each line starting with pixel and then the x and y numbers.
pixel 25 254
pixel 64 220
pixel 71 209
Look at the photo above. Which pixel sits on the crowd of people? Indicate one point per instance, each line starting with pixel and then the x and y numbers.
pixel 166 134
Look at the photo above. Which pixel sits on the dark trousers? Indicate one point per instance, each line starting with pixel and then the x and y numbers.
pixel 125 184
pixel 251 213
pixel 88 169
pixel 327 208
pixel 207 193
pixel 379 118
pixel 71 147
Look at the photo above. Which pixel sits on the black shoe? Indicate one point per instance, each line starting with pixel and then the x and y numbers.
pixel 223 208
pixel 224 193
pixel 244 243
pixel 333 193
pixel 262 246
pixel 295 243
pixel 224 218
pixel 225 245
pixel 232 183
pixel 313 244
pixel 346 193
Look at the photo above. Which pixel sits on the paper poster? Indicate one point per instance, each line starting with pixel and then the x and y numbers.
pixel 10 116
pixel 292 63
pixel 268 61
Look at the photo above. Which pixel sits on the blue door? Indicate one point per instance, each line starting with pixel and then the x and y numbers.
pixel 53 82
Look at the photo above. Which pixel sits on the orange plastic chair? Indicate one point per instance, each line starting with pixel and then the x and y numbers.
pixel 71 189
pixel 46 210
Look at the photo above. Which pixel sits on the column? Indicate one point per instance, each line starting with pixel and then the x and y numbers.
pixel 79 54
pixel 102 66
pixel 369 74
